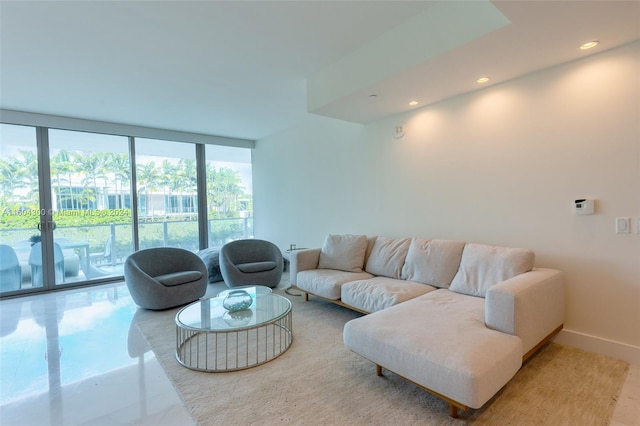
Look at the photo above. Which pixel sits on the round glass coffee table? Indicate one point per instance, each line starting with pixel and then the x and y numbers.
pixel 210 338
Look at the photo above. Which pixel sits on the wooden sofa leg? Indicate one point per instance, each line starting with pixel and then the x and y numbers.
pixel 453 411
pixel 378 370
pixel 453 406
pixel 306 296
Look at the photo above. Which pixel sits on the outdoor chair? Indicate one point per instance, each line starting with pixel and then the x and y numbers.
pixel 71 258
pixel 251 262
pixel 105 255
pixel 35 261
pixel 10 270
pixel 165 277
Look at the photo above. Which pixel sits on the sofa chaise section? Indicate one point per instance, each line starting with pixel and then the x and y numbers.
pixel 465 343
pixel 439 342
pixel 463 349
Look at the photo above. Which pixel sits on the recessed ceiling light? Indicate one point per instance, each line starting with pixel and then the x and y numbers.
pixel 482 80
pixel 413 103
pixel 589 44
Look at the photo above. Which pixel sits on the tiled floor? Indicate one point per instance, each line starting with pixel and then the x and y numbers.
pixel 76 358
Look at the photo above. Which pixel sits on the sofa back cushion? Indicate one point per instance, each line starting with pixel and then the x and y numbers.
pixel 343 253
pixel 387 257
pixel 483 266
pixel 433 262
pixel 371 241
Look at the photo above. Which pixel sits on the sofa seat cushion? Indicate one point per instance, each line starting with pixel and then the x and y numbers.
pixel 439 341
pixel 250 267
pixel 327 282
pixel 483 266
pixel 178 278
pixel 380 293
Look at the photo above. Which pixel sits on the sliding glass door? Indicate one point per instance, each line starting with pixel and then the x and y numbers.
pixel 21 250
pixel 90 178
pixel 66 214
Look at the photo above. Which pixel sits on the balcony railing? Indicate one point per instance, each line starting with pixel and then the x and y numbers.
pixel 97 251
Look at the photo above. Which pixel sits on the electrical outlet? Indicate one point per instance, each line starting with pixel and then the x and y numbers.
pixel 623 225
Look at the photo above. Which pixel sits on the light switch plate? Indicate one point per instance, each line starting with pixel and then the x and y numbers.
pixel 623 225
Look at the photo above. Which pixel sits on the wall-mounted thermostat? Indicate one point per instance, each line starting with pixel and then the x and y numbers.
pixel 584 206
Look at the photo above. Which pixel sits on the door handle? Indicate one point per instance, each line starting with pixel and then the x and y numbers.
pixel 51 225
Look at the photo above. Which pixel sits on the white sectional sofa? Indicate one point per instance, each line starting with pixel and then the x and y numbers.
pixel 455 318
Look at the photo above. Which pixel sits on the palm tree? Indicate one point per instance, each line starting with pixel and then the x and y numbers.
pixel 65 164
pixel 57 168
pixel 223 188
pixel 29 164
pixel 119 166
pixel 167 174
pixel 189 175
pixel 12 176
pixel 174 181
pixel 92 165
pixel 148 177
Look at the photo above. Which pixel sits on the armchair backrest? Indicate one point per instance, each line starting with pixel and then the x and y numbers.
pixel 162 260
pixel 250 250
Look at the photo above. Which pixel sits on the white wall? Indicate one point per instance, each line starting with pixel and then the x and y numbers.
pixel 499 166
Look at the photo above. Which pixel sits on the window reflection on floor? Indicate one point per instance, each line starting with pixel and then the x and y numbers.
pixel 77 356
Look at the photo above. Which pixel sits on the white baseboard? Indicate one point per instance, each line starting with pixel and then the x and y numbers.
pixel 589 343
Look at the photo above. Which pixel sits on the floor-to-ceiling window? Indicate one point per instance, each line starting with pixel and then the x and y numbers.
pixel 67 200
pixel 167 190
pixel 229 194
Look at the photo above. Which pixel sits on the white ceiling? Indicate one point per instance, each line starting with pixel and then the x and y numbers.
pixel 241 69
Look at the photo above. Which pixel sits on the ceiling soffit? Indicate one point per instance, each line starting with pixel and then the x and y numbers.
pixel 439 28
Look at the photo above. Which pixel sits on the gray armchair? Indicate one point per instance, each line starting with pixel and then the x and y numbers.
pixel 251 262
pixel 165 277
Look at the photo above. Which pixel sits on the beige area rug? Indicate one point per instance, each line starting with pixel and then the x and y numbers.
pixel 318 381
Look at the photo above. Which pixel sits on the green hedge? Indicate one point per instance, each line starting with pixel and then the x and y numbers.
pixel 95 227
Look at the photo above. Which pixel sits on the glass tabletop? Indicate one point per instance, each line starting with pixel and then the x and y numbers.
pixel 210 315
